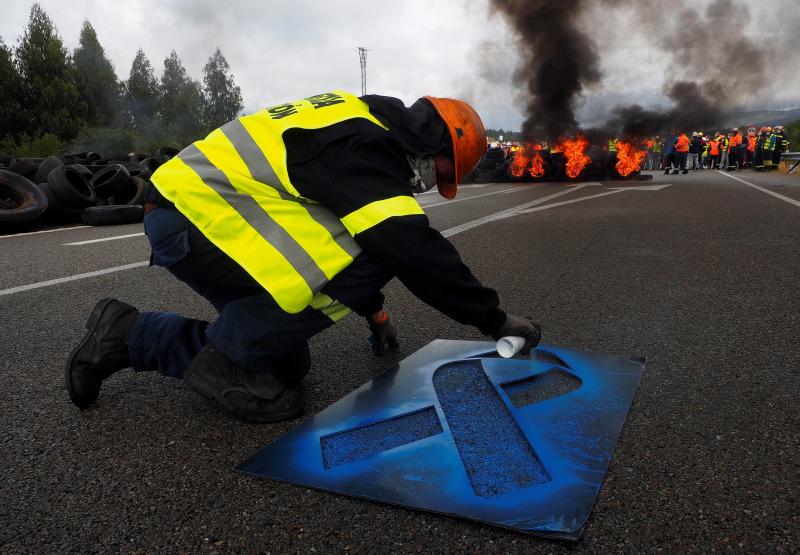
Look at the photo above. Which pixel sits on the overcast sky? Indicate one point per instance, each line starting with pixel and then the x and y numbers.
pixel 286 50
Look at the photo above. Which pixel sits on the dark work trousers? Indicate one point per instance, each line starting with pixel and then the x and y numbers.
pixel 669 161
pixel 758 159
pixel 251 329
pixel 741 156
pixel 680 160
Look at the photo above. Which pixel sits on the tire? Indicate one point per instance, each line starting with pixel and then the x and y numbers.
pixel 25 167
pixel 108 181
pixel 48 164
pixel 83 170
pixel 57 213
pixel 21 200
pixel 53 205
pixel 137 169
pixel 165 153
pixel 151 164
pixel 71 189
pixel 95 168
pixel 113 215
pixel 118 158
pixel 132 193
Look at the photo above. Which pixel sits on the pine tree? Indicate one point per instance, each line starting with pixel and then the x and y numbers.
pixel 11 120
pixel 52 102
pixel 95 79
pixel 141 93
pixel 181 102
pixel 223 99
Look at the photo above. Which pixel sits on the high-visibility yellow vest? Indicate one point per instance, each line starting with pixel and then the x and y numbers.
pixel 234 186
pixel 612 145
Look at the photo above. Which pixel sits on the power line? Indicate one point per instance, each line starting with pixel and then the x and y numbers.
pixel 362 58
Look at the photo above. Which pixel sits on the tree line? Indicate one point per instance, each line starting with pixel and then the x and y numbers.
pixel 51 99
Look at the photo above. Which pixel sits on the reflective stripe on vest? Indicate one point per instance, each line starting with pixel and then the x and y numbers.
pixel 234 186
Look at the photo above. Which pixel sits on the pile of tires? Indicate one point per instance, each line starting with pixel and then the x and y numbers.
pixel 491 166
pixel 83 187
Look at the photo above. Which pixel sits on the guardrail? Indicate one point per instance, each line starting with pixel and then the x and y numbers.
pixel 791 157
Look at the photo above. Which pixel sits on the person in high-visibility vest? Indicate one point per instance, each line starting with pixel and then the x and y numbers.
pixel 758 153
pixel 658 151
pixel 713 150
pixel 681 152
pixel 767 148
pixel 723 150
pixel 286 220
pixel 781 145
pixel 751 147
pixel 734 151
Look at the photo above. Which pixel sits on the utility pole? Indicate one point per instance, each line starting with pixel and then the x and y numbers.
pixel 362 58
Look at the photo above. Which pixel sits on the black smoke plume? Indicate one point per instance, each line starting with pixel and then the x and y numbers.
pixel 711 69
pixel 559 60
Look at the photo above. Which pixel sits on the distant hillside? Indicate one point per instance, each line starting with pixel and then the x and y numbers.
pixel 765 117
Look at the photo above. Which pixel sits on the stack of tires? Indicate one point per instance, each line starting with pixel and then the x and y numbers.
pixel 81 187
pixel 491 166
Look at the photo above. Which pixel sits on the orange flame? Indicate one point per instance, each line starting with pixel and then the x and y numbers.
pixel 575 154
pixel 528 158
pixel 629 158
pixel 519 164
pixel 537 165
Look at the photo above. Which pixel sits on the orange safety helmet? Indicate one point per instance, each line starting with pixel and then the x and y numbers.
pixel 467 135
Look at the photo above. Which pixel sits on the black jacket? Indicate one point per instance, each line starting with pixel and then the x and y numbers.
pixel 353 163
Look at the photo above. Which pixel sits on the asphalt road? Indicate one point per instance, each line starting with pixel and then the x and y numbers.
pixel 700 277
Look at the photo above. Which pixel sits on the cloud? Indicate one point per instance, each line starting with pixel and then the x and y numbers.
pixel 286 50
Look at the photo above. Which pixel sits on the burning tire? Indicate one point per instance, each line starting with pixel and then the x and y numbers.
pixel 528 165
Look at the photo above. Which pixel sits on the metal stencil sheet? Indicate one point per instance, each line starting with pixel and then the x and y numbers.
pixel 522 443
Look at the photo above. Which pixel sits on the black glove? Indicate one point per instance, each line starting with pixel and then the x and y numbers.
pixel 384 336
pixel 521 327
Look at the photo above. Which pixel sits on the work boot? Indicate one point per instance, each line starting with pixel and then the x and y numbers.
pixel 258 396
pixel 666 172
pixel 684 172
pixel 102 351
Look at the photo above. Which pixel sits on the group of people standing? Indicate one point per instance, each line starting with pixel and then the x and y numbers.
pixel 760 150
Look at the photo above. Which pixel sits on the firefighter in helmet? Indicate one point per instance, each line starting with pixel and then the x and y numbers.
pixel 286 220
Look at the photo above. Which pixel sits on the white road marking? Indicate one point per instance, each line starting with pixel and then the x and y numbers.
pixel 510 190
pixel 507 213
pixel 532 206
pixel 514 211
pixel 762 189
pixel 76 277
pixel 613 191
pixel 43 231
pixel 114 238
